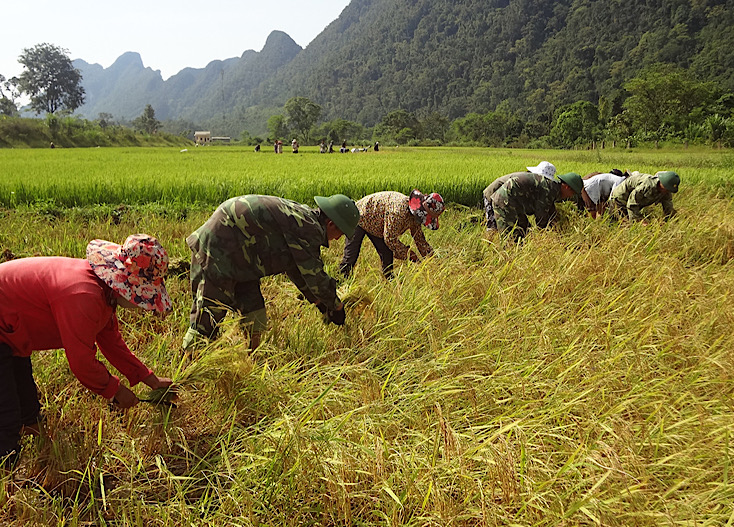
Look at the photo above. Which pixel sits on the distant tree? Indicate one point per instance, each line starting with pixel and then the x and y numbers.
pixel 50 79
pixel 492 128
pixel 664 96
pixel 619 128
pixel 277 127
pixel 340 130
pixel 8 94
pixel 147 121
pixel 716 127
pixel 576 123
pixel 397 122
pixel 105 119
pixel 434 127
pixel 301 116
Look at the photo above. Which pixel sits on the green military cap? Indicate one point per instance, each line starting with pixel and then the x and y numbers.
pixel 341 210
pixel 669 179
pixel 573 180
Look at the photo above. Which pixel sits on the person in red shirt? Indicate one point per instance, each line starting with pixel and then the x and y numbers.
pixel 70 303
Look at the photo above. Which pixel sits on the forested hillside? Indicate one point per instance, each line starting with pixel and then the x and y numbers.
pixel 532 56
pixel 525 57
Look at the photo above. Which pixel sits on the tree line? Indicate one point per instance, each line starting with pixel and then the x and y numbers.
pixel 663 102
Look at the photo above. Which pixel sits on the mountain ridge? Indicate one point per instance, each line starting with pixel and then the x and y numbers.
pixel 527 57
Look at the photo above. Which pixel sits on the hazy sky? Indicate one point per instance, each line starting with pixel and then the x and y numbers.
pixel 169 35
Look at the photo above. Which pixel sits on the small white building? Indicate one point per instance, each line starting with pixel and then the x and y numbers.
pixel 202 138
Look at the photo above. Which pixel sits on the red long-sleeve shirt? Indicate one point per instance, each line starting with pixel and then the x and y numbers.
pixel 55 302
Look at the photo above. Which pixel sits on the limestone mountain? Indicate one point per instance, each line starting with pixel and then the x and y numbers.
pixel 529 57
pixel 197 95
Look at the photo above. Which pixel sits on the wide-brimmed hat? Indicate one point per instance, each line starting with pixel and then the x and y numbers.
pixel 427 208
pixel 341 210
pixel 669 179
pixel 134 270
pixel 544 169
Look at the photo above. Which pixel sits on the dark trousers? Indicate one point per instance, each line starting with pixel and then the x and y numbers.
pixel 354 245
pixel 18 398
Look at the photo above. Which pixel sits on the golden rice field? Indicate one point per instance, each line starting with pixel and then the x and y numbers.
pixel 581 378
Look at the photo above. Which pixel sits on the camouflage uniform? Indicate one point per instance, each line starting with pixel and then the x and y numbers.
pixel 487 195
pixel 521 195
pixel 247 238
pixel 637 192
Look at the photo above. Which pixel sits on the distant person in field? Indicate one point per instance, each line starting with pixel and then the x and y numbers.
pixel 384 217
pixel 343 149
pixel 257 148
pixel 377 146
pixel 530 194
pixel 331 147
pixel 641 190
pixel 322 147
pixel 275 146
pixel 544 168
pixel 597 190
pixel 294 145
pixel 71 303
pixel 250 237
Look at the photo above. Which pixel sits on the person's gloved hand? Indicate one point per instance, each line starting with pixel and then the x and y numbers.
pixel 337 316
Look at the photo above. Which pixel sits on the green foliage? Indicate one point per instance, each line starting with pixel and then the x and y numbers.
pixel 490 129
pixel 8 95
pixel 399 126
pixel 663 97
pixel 50 79
pixel 340 130
pixel 576 123
pixel 105 119
pixel 277 128
pixel 73 132
pixel 301 115
pixel 147 122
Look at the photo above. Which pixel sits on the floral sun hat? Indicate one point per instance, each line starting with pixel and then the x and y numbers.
pixel 545 169
pixel 134 270
pixel 426 209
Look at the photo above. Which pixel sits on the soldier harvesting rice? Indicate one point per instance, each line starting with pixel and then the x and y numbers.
pixel 641 190
pixel 525 194
pixel 250 237
pixel 544 168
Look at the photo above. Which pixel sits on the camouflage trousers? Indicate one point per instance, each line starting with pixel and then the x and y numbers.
pixel 489 215
pixel 212 299
pixel 508 220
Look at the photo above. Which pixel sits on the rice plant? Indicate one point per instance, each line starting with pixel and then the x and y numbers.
pixel 580 378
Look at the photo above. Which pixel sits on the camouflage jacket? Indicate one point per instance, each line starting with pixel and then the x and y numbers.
pixel 638 191
pixel 497 183
pixel 528 194
pixel 250 237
